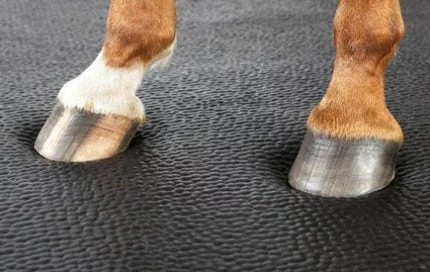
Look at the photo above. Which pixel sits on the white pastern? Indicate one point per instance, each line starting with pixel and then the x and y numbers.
pixel 106 90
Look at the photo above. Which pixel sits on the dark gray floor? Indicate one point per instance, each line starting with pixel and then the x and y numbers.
pixel 203 187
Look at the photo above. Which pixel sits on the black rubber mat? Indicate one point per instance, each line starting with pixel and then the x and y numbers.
pixel 204 185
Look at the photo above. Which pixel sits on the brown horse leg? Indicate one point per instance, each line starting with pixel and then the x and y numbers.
pixel 352 139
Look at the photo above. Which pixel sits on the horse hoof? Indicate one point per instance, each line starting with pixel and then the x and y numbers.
pixel 74 135
pixel 334 167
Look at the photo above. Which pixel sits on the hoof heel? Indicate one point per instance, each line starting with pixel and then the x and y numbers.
pixel 74 135
pixel 335 167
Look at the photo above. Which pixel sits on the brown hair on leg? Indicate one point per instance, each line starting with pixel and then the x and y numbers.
pixel 138 30
pixel 366 36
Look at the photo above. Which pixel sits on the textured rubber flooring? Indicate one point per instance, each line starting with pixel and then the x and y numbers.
pixel 203 186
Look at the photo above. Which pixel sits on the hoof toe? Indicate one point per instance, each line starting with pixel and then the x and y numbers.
pixel 74 135
pixel 343 168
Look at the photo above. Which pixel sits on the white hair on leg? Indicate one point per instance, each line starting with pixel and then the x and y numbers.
pixel 107 90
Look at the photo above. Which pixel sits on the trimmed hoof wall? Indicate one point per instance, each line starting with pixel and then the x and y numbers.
pixel 73 135
pixel 335 167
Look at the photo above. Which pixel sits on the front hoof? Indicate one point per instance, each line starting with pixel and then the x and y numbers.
pixel 334 167
pixel 74 135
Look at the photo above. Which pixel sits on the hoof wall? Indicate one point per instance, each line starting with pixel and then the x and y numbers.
pixel 343 168
pixel 74 135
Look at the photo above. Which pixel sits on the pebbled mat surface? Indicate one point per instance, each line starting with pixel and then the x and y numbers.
pixel 203 186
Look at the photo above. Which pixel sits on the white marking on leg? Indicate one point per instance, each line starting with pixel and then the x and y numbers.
pixel 106 90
